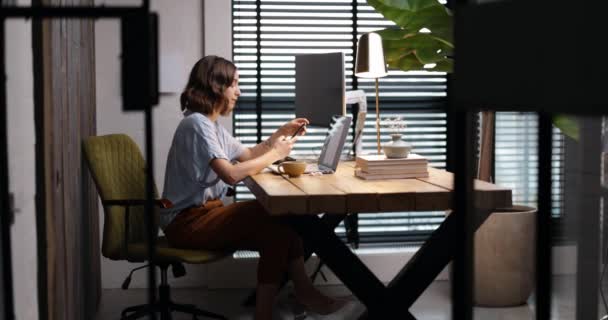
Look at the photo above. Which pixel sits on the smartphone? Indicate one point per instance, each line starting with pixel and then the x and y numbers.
pixel 298 131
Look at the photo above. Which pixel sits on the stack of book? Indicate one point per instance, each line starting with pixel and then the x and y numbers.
pixel 374 167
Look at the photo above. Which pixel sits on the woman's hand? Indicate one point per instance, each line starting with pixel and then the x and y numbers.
pixel 292 126
pixel 283 145
pixel 286 130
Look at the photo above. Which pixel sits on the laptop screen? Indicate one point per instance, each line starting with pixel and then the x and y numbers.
pixel 334 142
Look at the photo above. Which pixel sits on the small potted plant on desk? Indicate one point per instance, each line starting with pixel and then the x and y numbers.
pixel 396 148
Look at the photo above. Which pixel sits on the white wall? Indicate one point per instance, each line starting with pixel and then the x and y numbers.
pixel 21 140
pixel 218 36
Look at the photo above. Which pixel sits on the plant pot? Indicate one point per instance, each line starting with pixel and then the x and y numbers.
pixel 396 148
pixel 505 258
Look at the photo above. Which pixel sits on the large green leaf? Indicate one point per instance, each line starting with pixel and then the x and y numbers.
pixel 408 51
pixel 412 62
pixel 414 15
pixel 567 125
pixel 407 48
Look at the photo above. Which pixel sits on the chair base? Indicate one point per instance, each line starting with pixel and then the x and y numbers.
pixel 165 309
pixel 164 306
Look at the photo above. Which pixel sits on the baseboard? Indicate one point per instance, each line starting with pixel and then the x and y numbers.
pixel 240 271
pixel 385 263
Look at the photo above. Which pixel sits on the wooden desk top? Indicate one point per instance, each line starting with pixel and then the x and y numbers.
pixel 342 192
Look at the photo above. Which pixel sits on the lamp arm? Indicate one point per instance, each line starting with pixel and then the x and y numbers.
pixel 377 116
pixel 357 97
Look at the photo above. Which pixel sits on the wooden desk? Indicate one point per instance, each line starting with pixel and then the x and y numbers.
pixel 341 193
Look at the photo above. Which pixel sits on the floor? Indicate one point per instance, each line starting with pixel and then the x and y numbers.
pixel 434 304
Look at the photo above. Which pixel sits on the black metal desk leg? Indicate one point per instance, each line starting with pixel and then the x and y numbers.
pixel 428 261
pixel 349 269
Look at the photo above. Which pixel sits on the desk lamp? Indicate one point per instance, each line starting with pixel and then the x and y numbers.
pixel 370 64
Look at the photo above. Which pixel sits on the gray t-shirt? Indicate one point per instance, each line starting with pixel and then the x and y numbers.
pixel 189 179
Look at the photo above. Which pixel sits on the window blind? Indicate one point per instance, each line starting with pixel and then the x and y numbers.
pixel 516 163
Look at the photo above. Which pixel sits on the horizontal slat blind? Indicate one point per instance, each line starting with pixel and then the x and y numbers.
pixel 287 28
pixel 516 164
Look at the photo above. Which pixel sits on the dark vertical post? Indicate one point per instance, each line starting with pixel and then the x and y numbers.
pixel 450 120
pixel 588 235
pixel 258 70
pixel 149 207
pixel 351 221
pixel 5 209
pixel 463 199
pixel 460 158
pixel 41 149
pixel 449 140
pixel 543 219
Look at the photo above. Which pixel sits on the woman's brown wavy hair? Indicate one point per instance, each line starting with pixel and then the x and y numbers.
pixel 204 92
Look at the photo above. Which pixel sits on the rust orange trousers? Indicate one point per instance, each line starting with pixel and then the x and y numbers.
pixel 239 226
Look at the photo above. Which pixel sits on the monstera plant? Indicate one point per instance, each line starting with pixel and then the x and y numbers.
pixel 422 39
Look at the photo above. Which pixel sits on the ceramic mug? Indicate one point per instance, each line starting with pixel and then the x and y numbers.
pixel 292 168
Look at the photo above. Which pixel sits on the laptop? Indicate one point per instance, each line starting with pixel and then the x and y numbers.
pixel 332 147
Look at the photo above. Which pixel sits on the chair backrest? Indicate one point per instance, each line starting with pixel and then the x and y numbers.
pixel 118 169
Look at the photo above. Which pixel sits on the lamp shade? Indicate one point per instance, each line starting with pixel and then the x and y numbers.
pixel 370 57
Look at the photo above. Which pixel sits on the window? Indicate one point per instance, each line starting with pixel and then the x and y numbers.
pixel 516 166
pixel 266 36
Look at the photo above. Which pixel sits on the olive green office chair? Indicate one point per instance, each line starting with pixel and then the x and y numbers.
pixel 118 169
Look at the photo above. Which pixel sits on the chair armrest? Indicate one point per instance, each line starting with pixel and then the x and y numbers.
pixel 161 203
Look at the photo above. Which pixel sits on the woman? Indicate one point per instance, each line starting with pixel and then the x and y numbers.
pixel 204 158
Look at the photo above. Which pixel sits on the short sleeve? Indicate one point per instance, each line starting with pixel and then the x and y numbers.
pixel 207 141
pixel 233 147
pixel 201 145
